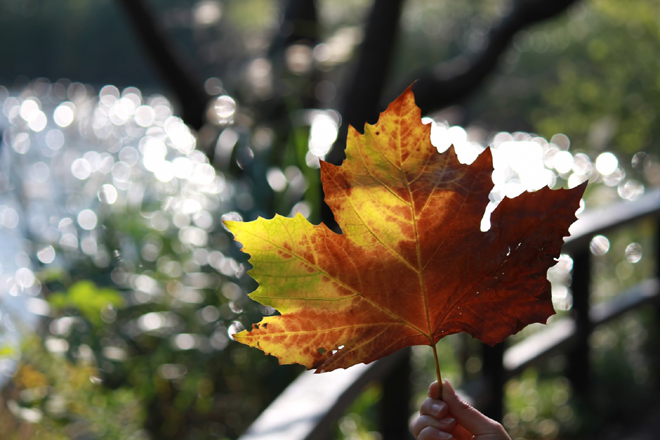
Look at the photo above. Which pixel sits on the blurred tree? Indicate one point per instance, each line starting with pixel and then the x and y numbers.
pixel 255 79
pixel 605 89
pixel 174 66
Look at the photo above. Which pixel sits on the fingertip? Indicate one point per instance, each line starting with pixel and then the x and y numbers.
pixel 455 402
pixel 466 416
pixel 434 390
pixel 448 389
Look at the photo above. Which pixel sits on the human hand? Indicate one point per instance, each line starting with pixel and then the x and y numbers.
pixel 452 417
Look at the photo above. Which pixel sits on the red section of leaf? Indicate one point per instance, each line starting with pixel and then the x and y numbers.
pixel 411 265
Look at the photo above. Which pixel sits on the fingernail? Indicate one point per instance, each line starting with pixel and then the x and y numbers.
pixel 436 408
pixel 444 435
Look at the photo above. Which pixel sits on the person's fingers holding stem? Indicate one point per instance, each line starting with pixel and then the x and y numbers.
pixel 434 407
pixel 428 428
pixel 470 421
pixel 434 421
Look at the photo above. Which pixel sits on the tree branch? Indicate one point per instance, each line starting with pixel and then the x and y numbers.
pixel 361 97
pixel 450 82
pixel 300 25
pixel 171 63
pixel 300 22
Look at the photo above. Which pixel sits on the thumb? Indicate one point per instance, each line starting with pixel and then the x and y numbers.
pixel 466 415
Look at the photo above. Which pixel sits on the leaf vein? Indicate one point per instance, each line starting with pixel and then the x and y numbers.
pixel 342 284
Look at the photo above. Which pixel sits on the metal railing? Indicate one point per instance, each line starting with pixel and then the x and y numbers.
pixel 309 407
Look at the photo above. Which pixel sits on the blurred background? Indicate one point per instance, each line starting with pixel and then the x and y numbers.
pixel 130 128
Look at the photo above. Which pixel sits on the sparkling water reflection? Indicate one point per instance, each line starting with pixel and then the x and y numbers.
pixel 76 160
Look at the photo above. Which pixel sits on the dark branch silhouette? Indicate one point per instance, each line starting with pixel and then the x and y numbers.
pixel 300 25
pixel 363 93
pixel 300 22
pixel 171 63
pixel 448 83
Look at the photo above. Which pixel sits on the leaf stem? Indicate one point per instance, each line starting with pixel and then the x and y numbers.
pixel 437 368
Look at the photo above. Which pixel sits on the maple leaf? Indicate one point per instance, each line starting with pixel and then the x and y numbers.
pixel 411 265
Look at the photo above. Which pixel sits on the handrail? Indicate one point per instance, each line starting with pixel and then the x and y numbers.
pixel 601 220
pixel 308 407
pixel 558 336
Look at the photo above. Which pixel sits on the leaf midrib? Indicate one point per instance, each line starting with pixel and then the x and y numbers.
pixel 332 329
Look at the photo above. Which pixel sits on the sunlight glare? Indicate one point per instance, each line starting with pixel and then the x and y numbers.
pixel 323 133
pixel 606 163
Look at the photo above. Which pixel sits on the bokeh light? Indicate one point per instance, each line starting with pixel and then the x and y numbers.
pixel 599 245
pixel 633 252
pixel 46 255
pixel 606 163
pixel 222 110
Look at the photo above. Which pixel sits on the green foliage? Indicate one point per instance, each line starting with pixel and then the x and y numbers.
pixel 604 94
pixel 51 397
pixel 7 351
pixel 167 342
pixel 87 298
pixel 360 421
pixel 538 406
